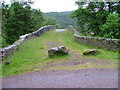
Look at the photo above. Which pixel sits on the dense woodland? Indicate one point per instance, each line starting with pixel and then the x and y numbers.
pixel 100 18
pixel 19 18
pixel 62 18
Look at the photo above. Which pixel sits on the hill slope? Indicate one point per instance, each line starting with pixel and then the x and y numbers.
pixel 63 18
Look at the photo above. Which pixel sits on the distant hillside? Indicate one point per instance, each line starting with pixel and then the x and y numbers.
pixel 62 18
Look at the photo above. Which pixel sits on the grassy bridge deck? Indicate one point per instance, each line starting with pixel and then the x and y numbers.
pixel 32 55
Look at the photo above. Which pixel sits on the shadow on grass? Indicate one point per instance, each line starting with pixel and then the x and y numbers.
pixel 59 56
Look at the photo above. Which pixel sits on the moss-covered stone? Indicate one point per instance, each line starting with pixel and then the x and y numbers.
pixel 61 50
pixel 90 51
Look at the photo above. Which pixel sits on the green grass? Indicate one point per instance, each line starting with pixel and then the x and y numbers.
pixel 33 54
pixel 0 41
pixel 105 54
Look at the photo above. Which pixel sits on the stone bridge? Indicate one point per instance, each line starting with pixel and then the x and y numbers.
pixel 106 43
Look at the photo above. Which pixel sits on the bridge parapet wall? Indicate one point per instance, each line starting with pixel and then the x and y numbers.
pixel 9 50
pixel 106 43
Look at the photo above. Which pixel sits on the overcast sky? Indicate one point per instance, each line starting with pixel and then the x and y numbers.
pixel 54 5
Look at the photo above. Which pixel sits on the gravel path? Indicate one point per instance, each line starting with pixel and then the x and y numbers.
pixel 60 30
pixel 84 78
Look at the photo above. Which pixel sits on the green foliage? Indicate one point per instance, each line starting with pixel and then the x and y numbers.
pixel 82 18
pixel 37 17
pixel 112 27
pixel 50 21
pixel 62 18
pixel 18 19
pixel 92 16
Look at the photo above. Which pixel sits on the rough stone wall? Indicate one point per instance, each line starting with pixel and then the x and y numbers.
pixel 106 43
pixel 9 50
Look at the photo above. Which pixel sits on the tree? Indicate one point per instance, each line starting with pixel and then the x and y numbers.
pixel 92 15
pixel 50 21
pixel 111 29
pixel 18 19
pixel 37 18
pixel 19 22
pixel 5 16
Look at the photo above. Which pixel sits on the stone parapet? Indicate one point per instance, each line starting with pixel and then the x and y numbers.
pixel 9 50
pixel 106 43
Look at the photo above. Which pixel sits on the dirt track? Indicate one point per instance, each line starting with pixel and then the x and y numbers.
pixel 85 78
